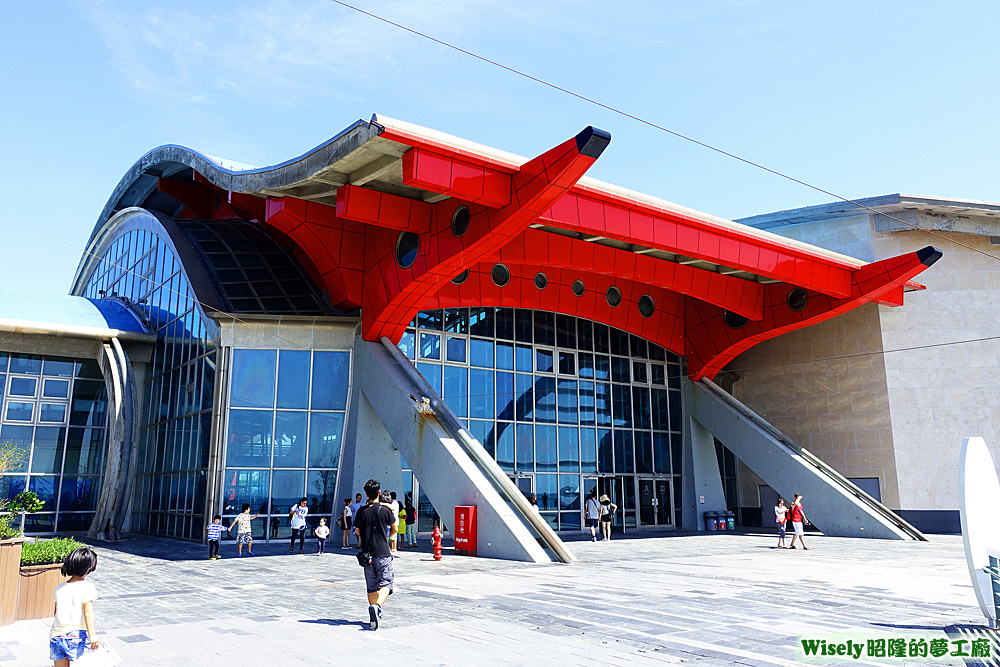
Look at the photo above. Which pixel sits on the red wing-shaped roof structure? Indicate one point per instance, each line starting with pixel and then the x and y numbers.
pixel 391 218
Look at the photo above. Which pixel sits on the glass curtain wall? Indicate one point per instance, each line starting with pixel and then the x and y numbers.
pixel 55 410
pixel 559 402
pixel 139 269
pixel 285 423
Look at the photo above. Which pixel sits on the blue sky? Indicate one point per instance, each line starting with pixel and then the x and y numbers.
pixel 859 98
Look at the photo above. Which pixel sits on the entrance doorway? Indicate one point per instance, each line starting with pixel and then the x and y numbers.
pixel 655 502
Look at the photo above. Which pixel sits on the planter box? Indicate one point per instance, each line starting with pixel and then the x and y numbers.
pixel 38 585
pixel 10 580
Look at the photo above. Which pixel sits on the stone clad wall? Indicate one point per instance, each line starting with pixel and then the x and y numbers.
pixel 825 387
pixel 940 395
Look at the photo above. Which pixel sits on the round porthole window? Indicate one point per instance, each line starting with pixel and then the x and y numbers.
pixel 407 247
pixel 614 297
pixel 541 280
pixel 733 320
pixel 461 278
pixel 460 220
pixel 646 305
pixel 500 275
pixel 798 298
pixel 578 288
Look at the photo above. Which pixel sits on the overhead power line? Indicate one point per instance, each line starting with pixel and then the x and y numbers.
pixel 649 123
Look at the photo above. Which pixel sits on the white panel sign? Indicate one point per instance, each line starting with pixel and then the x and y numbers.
pixel 980 500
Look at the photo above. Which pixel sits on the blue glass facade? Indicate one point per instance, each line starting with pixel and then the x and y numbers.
pixel 55 410
pixel 563 405
pixel 287 410
pixel 140 267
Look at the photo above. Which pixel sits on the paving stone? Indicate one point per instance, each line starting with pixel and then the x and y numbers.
pixel 705 599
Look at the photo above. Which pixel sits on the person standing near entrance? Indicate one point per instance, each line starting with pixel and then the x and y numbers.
pixel 244 535
pixel 373 524
pixel 608 510
pixel 780 516
pixel 346 523
pixel 355 506
pixel 798 519
pixel 297 517
pixel 411 524
pixel 593 514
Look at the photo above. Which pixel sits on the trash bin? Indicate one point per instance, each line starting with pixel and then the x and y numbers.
pixel 710 520
pixel 730 521
pixel 720 521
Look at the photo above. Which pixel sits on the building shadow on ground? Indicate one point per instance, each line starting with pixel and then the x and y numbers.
pixel 336 621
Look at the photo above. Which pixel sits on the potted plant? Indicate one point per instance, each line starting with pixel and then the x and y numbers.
pixel 12 458
pixel 40 573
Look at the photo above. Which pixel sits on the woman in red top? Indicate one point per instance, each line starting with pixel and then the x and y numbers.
pixel 798 519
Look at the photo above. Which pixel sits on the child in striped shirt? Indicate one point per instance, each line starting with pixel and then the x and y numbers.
pixel 214 531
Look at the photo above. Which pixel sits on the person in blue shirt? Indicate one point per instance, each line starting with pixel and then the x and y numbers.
pixel 214 531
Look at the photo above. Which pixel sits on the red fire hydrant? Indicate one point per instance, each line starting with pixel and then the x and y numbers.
pixel 436 541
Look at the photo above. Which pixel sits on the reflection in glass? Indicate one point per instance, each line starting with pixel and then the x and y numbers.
pixel 253 379
pixel 287 488
pixel 22 386
pixel 661 452
pixel 456 389
pixel 547 491
pixel 45 487
pixel 430 346
pixel 546 451
pixel 431 373
pixel 505 445
pixel 568 401
pixel 289 439
pixel 293 379
pixel 455 349
pixel 248 440
pixel 545 400
pixel 481 353
pixel 525 448
pixel 78 493
pixel 84 449
pixel 19 411
pixel 320 487
pixel 56 389
pixel 569 492
pixel 325 432
pixel 53 413
pixel 245 486
pixel 522 359
pixel 588 450
pixel 643 452
pixel 481 394
pixel 331 376
pixel 605 451
pixel 569 449
pixel 543 361
pixel 47 455
pixel 407 344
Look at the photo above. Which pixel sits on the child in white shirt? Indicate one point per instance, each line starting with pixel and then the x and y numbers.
pixel 72 630
pixel 322 532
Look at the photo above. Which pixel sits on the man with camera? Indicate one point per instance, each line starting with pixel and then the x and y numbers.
pixel 374 525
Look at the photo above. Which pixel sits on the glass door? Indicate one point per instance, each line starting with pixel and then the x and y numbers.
pixel 664 507
pixel 647 503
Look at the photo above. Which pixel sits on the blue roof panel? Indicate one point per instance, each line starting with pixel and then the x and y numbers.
pixel 55 310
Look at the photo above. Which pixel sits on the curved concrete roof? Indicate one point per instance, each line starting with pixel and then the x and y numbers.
pixel 359 155
pixel 22 311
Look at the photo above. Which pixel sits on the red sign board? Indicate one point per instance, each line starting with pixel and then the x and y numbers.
pixel 465 529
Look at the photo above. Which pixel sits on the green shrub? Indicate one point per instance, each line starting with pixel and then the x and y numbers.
pixel 47 552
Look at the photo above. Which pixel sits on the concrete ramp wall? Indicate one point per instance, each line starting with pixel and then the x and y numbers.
pixel 389 412
pixel 834 504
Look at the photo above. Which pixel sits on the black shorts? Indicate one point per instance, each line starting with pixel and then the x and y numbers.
pixel 593 523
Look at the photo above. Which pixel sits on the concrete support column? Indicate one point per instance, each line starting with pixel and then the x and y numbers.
pixel 368 452
pixel 702 491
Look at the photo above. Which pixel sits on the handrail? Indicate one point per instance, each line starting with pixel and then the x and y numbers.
pixel 812 459
pixel 489 467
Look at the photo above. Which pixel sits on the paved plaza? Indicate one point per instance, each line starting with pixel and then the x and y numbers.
pixel 701 599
